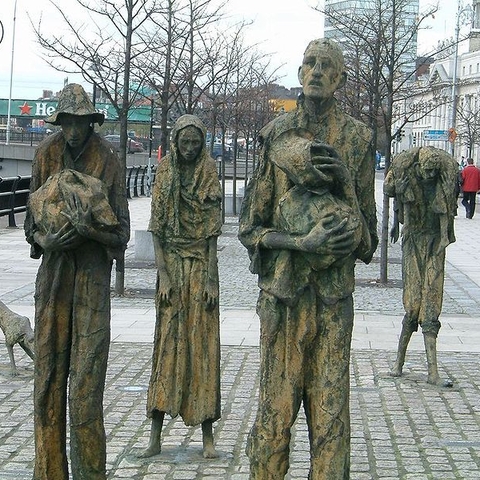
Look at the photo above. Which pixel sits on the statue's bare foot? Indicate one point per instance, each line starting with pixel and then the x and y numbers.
pixel 438 382
pixel 208 445
pixel 150 451
pixel 396 371
pixel 209 451
pixel 155 442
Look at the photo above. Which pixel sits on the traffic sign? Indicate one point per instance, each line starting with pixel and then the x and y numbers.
pixel 435 135
pixel 452 135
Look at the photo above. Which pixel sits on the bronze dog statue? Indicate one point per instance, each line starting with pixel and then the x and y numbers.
pixel 17 329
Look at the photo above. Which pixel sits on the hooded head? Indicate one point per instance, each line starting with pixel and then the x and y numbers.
pixel 168 188
pixel 75 101
pixel 188 121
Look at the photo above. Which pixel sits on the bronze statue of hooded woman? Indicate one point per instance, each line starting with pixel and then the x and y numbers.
pixel 185 223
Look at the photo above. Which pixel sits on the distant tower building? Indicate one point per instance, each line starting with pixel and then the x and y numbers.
pixel 366 7
pixel 476 15
pixel 474 41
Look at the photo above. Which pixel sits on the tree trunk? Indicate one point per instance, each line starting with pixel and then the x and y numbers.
pixel 384 240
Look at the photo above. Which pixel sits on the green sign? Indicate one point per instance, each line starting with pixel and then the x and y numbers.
pixel 40 109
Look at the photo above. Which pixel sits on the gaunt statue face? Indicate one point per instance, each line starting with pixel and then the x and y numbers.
pixel 189 144
pixel 75 128
pixel 322 71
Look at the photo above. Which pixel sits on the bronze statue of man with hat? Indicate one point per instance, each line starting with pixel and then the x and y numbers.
pixel 77 222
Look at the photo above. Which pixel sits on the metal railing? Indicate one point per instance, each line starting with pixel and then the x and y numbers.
pixel 14 191
pixel 27 138
pixel 137 180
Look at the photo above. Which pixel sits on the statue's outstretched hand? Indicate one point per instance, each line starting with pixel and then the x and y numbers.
pixel 210 294
pixel 80 215
pixel 328 165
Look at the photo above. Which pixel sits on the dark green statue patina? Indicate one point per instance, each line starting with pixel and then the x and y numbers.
pixel 308 215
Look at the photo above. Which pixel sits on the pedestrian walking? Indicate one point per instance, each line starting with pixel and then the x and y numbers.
pixel 470 187
pixel 378 157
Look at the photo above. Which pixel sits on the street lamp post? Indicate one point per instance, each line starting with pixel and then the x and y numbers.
pixel 463 12
pixel 97 68
pixel 150 148
pixel 11 76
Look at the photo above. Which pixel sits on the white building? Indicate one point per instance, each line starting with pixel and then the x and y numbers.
pixel 446 102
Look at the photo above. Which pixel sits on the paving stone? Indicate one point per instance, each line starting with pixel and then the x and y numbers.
pixel 402 428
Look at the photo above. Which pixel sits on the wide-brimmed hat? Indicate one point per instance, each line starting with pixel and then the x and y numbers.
pixel 74 101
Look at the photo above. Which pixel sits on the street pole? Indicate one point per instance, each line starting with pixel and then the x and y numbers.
pixel 150 147
pixel 453 121
pixel 11 75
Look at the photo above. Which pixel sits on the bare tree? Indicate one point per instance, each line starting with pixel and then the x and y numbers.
pixel 167 41
pixel 254 110
pixel 200 44
pixel 250 76
pixel 103 49
pixel 183 48
pixel 468 126
pixel 377 40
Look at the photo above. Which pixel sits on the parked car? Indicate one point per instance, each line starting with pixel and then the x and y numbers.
pixel 132 145
pixel 217 153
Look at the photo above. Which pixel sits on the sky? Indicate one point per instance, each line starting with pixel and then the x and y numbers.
pixel 282 28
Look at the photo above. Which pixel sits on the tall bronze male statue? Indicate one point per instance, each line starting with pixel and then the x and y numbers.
pixel 308 215
pixel 423 181
pixel 77 221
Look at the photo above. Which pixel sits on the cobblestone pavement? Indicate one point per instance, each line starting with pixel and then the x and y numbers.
pixel 402 428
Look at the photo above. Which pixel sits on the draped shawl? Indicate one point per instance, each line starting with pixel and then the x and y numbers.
pixel 202 194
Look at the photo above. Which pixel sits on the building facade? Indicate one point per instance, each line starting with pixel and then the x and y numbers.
pixel 405 21
pixel 444 107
